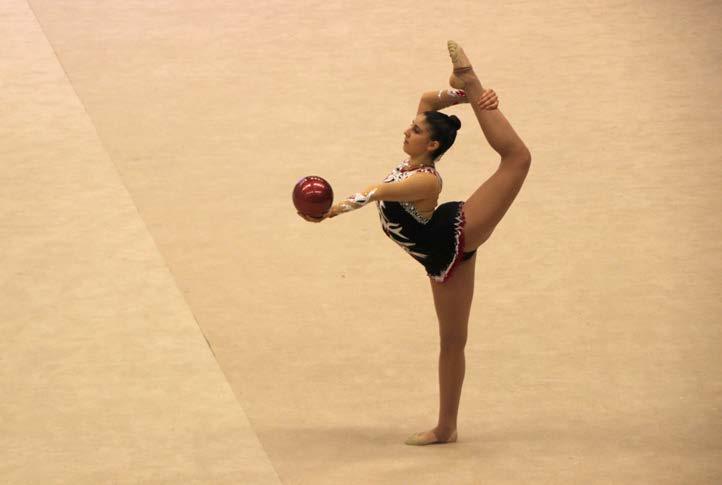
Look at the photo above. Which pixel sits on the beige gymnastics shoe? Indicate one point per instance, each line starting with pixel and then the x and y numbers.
pixel 461 64
pixel 428 438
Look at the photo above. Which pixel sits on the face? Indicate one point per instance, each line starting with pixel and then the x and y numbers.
pixel 417 141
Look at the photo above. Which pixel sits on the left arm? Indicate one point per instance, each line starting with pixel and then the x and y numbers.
pixel 438 100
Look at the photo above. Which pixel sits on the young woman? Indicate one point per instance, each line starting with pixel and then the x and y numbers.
pixel 444 239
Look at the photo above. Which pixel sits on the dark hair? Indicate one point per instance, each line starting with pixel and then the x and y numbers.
pixel 442 128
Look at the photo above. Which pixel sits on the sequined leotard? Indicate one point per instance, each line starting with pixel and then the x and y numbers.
pixel 437 243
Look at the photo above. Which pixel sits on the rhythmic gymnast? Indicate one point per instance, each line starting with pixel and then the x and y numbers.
pixel 444 239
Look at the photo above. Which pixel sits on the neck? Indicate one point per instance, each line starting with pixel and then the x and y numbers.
pixel 422 161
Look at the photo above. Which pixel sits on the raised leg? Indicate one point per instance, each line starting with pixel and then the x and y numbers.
pixel 490 202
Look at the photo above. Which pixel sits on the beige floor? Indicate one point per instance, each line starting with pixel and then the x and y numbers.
pixel 149 150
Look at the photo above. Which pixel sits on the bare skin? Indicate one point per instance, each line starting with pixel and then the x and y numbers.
pixel 421 146
pixel 482 211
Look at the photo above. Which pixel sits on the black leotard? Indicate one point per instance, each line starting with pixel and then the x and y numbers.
pixel 436 243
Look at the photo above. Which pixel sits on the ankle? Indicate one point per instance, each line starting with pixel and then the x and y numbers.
pixel 471 81
pixel 448 428
pixel 462 70
pixel 473 89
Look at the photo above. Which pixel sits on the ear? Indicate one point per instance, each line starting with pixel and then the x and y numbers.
pixel 433 145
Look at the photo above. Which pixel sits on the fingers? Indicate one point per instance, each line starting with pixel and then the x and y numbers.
pixel 491 106
pixel 309 218
pixel 487 94
pixel 488 100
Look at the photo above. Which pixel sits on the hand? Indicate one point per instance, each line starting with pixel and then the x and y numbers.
pixel 331 213
pixel 311 219
pixel 488 100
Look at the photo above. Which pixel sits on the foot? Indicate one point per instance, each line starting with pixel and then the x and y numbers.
pixel 462 67
pixel 432 437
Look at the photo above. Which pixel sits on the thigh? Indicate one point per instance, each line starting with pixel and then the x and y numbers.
pixel 452 300
pixel 490 202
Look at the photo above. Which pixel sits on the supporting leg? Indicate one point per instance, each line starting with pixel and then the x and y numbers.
pixel 452 301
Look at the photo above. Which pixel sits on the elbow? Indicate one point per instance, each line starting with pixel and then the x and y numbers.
pixel 523 155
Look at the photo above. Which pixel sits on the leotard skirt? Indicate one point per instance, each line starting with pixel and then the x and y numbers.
pixel 436 243
pixel 446 241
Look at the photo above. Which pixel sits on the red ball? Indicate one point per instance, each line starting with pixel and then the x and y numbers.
pixel 313 196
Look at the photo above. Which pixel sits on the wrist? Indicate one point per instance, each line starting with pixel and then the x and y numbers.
pixel 333 211
pixel 453 96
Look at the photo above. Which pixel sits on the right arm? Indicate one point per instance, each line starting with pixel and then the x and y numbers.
pixel 419 186
pixel 416 187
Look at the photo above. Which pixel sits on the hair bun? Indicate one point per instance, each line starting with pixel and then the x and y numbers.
pixel 455 122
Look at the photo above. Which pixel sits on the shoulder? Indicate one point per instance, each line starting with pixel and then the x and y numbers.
pixel 415 186
pixel 430 174
pixel 431 170
pixel 428 169
pixel 423 174
pixel 426 182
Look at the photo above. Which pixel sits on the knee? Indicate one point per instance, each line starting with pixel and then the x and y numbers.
pixel 453 342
